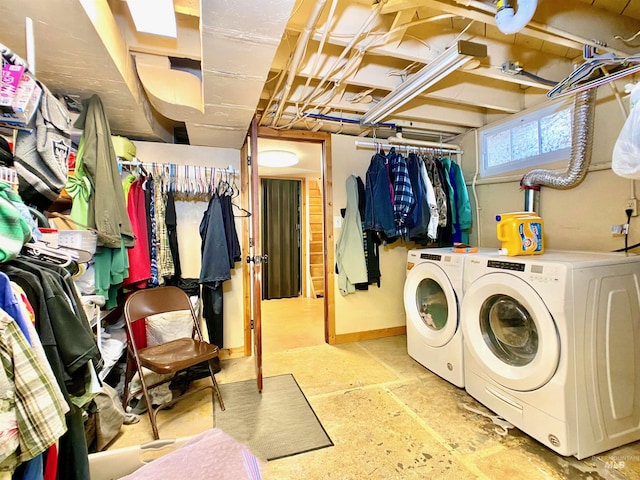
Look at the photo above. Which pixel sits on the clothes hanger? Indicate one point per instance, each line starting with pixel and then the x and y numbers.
pixel 56 256
pixel 592 74
pixel 248 213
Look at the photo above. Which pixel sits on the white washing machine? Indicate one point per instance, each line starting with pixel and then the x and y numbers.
pixel 552 344
pixel 432 295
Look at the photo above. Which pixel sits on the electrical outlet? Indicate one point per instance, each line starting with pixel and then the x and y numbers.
pixel 632 203
pixel 620 229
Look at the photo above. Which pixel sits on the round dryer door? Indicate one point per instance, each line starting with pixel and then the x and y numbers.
pixel 510 332
pixel 431 304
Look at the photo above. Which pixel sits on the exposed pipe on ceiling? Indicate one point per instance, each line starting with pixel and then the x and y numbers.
pixel 301 47
pixel 581 147
pixel 510 21
pixel 365 27
pixel 323 39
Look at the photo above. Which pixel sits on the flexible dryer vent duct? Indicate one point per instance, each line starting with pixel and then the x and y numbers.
pixel 581 146
pixel 509 21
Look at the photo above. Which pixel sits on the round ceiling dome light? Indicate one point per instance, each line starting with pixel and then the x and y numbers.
pixel 277 158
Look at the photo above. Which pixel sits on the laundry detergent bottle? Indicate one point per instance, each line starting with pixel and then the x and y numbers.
pixel 521 233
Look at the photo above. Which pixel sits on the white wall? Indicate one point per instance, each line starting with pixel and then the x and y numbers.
pixel 579 218
pixel 376 308
pixel 189 214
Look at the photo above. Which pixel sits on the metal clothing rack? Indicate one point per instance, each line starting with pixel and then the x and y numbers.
pixel 173 167
pixel 436 147
pixel 195 182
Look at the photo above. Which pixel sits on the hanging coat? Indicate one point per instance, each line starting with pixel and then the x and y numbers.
pixel 215 254
pixel 107 210
pixel 350 261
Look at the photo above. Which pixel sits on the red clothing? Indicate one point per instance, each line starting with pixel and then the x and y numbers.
pixel 51 465
pixel 139 258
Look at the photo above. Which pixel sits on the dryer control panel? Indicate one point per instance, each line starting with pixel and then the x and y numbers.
pixel 518 267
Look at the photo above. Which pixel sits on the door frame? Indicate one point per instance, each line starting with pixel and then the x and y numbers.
pixel 324 139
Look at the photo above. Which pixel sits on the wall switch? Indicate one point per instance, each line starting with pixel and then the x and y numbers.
pixel 337 221
pixel 632 203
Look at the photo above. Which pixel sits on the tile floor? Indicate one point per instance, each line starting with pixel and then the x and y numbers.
pixel 390 418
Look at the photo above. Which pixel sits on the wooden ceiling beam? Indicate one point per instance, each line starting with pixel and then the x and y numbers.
pixel 569 23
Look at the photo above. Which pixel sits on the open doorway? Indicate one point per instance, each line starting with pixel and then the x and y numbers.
pixel 282 227
pixel 292 308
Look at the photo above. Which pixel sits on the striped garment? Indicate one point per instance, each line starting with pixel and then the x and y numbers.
pixel 404 199
pixel 15 231
pixel 154 280
pixel 163 250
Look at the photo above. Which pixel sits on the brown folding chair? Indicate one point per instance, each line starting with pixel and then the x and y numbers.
pixel 167 358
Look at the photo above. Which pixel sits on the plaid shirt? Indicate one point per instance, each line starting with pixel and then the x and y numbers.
pixel 404 199
pixel 39 405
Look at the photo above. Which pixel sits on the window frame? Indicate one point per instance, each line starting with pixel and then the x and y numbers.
pixel 507 125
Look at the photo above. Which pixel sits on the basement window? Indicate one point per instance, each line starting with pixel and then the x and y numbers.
pixel 527 140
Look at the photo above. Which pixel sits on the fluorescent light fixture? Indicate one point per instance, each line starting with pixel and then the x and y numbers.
pixel 156 17
pixel 441 66
pixel 277 158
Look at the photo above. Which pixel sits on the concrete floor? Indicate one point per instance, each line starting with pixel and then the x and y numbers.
pixel 389 418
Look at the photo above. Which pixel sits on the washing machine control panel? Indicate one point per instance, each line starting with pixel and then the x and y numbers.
pixel 430 256
pixel 518 267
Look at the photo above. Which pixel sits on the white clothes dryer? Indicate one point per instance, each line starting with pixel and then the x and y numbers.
pixel 552 344
pixel 432 295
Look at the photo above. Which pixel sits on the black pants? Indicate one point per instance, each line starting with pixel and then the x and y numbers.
pixel 213 312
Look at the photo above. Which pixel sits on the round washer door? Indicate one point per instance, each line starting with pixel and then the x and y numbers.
pixel 510 332
pixel 431 304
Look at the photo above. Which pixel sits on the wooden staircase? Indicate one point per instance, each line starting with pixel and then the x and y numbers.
pixel 316 245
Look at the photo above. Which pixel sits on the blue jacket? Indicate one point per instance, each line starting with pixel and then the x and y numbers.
pixel 378 206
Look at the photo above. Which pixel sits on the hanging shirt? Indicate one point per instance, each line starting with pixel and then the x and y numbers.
pixel 446 163
pixel 138 255
pixel 403 199
pixel 39 413
pixel 432 202
pixel 463 205
pixel 165 262
pixel 10 305
pixel 14 230
pixel 440 192
pixel 153 245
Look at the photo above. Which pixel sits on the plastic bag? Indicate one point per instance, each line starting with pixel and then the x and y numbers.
pixel 626 151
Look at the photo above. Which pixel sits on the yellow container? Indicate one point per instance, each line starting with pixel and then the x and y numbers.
pixel 521 233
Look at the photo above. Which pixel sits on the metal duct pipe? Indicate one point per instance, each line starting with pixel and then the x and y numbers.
pixel 509 21
pixel 532 199
pixel 581 147
pixel 301 47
